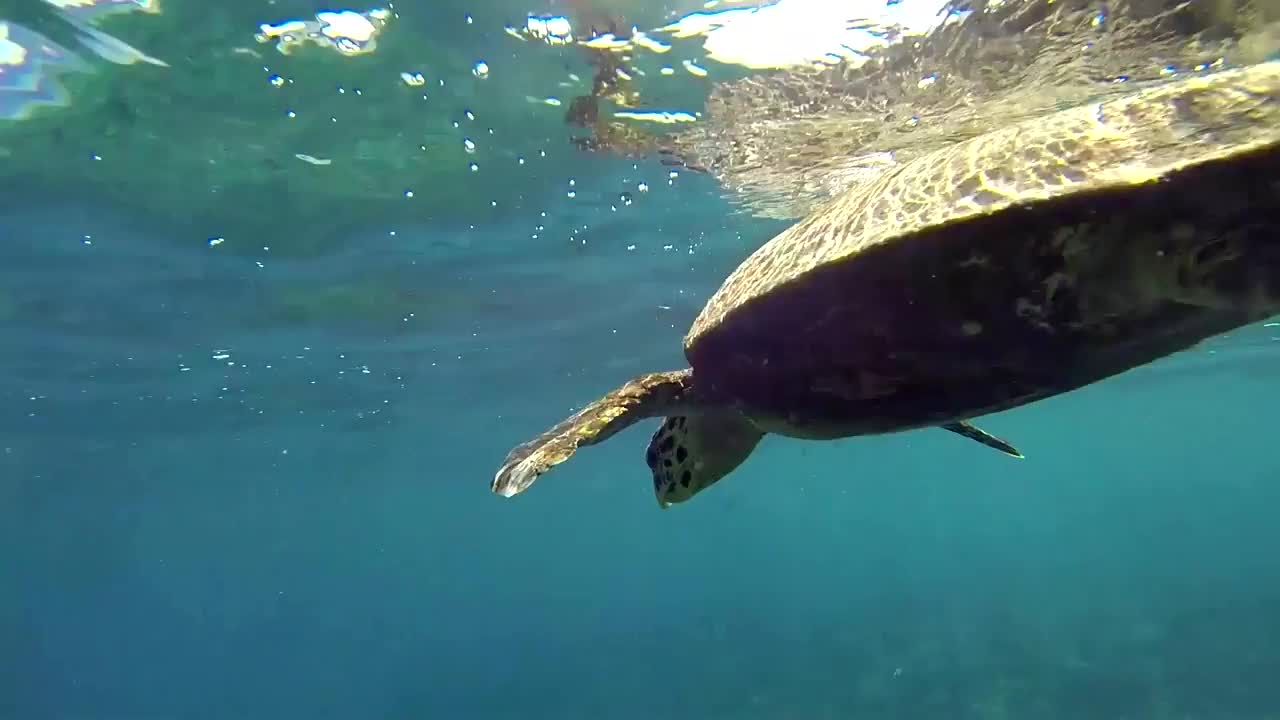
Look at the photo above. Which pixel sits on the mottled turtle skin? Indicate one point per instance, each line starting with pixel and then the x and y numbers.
pixel 1020 264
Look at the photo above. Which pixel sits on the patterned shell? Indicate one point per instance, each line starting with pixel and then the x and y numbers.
pixel 1107 146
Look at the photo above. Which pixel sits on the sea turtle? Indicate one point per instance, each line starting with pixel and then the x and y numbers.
pixel 1013 266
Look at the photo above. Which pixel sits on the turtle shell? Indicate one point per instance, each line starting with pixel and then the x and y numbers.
pixel 1017 264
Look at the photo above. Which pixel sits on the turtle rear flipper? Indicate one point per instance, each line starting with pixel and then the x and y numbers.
pixel 689 453
pixel 646 396
pixel 977 434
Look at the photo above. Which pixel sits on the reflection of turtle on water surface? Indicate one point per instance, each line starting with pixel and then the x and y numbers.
pixel 1013 266
pixel 782 142
pixel 610 82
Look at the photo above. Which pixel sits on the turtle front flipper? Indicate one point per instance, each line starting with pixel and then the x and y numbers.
pixel 647 396
pixel 689 453
pixel 977 434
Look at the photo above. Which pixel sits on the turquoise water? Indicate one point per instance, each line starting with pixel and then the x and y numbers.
pixel 247 485
pixel 279 534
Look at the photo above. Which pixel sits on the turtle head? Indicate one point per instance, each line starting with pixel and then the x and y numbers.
pixel 690 453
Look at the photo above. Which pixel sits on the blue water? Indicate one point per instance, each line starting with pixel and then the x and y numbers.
pixel 279 533
pixel 242 483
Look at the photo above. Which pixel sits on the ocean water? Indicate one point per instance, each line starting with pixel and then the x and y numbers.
pixel 243 483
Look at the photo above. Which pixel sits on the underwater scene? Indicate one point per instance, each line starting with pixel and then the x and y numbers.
pixel 905 359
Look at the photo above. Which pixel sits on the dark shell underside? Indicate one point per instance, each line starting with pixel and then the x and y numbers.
pixel 1001 310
